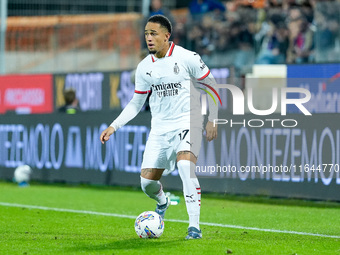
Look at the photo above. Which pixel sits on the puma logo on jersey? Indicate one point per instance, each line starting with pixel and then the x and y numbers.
pixel 189 143
pixel 149 73
pixel 191 196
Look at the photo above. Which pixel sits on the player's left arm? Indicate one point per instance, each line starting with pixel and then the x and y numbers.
pixel 200 71
pixel 211 130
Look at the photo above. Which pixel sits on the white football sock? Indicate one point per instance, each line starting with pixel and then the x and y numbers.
pixel 153 189
pixel 191 191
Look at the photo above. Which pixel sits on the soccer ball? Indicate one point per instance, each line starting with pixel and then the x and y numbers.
pixel 149 224
pixel 22 174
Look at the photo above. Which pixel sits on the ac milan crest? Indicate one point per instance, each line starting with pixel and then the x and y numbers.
pixel 176 69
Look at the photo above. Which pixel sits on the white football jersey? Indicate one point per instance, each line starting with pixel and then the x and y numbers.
pixel 173 94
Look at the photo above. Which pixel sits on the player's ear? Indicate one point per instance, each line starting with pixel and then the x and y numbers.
pixel 167 35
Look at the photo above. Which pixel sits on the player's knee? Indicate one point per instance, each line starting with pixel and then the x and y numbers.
pixel 186 155
pixel 186 169
pixel 143 183
pixel 152 173
pixel 147 184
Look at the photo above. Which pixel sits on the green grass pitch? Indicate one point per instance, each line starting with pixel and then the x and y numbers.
pixel 25 230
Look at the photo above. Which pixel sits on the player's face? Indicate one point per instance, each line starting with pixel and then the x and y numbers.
pixel 157 39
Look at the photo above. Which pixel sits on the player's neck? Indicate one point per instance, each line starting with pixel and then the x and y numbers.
pixel 162 53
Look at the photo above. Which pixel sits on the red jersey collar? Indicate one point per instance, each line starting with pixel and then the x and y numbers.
pixel 168 54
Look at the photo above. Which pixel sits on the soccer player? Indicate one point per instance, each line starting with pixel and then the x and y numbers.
pixel 176 125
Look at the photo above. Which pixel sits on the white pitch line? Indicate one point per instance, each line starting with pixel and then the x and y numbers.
pixel 171 220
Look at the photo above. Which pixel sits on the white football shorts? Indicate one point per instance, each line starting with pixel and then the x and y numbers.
pixel 161 150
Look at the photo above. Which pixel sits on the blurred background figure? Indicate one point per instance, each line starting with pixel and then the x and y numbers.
pixel 327 34
pixel 156 7
pixel 301 38
pixel 234 33
pixel 198 8
pixel 71 102
pixel 274 44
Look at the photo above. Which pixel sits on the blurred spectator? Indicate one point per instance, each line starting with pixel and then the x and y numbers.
pixel 270 32
pixel 156 7
pixel 195 35
pixel 301 38
pixel 245 48
pixel 71 102
pixel 198 8
pixel 203 36
pixel 308 11
pixel 327 35
pixel 244 26
pixel 274 44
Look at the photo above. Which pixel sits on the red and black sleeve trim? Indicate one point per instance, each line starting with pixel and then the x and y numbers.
pixel 142 92
pixel 204 76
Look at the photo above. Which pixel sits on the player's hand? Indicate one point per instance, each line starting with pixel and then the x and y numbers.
pixel 211 131
pixel 105 136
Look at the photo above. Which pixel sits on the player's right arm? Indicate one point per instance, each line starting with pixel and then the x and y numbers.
pixel 129 112
pixel 132 108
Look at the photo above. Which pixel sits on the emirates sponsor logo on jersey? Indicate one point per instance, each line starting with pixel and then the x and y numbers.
pixel 165 86
pixel 166 89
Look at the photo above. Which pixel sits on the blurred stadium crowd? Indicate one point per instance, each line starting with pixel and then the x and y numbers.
pixel 243 33
pixel 58 37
